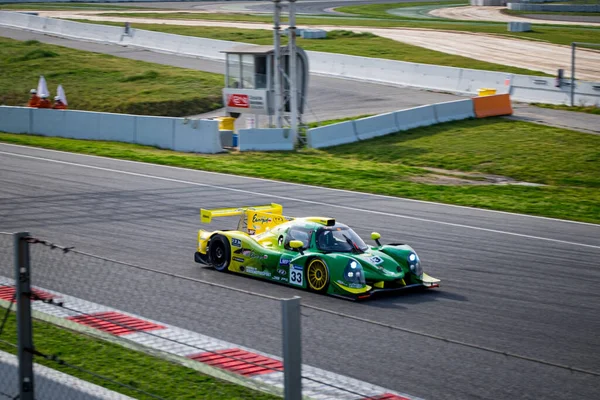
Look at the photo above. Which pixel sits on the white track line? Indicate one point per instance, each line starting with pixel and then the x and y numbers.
pixel 301 200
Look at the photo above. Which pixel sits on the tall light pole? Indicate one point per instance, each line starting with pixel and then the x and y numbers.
pixel 293 72
pixel 277 63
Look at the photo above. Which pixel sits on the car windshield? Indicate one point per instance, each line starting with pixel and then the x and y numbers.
pixel 339 239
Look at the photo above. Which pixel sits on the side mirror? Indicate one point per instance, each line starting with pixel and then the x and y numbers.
pixel 375 236
pixel 297 245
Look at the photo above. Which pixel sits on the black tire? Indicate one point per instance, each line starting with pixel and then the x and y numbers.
pixel 219 253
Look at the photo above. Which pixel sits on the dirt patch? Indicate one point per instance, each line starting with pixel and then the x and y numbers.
pixel 460 178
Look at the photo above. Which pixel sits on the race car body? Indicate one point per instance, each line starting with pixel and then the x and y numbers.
pixel 314 253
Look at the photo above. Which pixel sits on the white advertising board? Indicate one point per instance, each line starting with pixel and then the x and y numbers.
pixel 251 101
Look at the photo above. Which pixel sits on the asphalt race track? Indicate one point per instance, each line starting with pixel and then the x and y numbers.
pixel 511 283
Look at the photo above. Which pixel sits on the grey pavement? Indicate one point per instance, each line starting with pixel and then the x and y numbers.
pixel 519 285
pixel 589 123
pixel 50 384
pixel 328 98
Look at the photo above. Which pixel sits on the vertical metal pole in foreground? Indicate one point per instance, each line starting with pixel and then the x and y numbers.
pixel 24 332
pixel 277 62
pixel 293 72
pixel 292 349
pixel 573 45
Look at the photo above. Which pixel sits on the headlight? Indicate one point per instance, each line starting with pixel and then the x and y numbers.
pixel 354 274
pixel 415 264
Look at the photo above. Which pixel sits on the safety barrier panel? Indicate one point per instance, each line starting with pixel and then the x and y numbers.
pixel 543 90
pixel 471 80
pixel 492 106
pixel 197 136
pixel 96 126
pixel 385 124
pixel 378 125
pixel 415 117
pixel 488 2
pixel 87 1
pixel 180 134
pixel 453 110
pixel 580 8
pixel 265 139
pixel 150 131
pixel 332 135
pixel 519 26
pixel 15 119
pixel 425 76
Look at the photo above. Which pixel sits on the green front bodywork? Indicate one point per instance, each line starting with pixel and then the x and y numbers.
pixel 265 256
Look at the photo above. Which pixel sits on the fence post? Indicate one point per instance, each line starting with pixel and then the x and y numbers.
pixel 292 349
pixel 573 49
pixel 24 333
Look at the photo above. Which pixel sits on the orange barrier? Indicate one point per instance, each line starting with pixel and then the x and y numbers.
pixel 491 106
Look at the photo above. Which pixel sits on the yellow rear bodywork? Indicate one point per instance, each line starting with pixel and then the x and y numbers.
pixel 254 220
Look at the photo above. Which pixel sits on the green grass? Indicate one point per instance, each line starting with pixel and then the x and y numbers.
pixel 567 162
pixel 153 375
pixel 99 82
pixel 584 109
pixel 381 10
pixel 341 42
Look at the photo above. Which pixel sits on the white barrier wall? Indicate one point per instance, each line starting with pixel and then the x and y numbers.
pixel 87 1
pixel 16 119
pixel 332 135
pixel 265 139
pixel 454 110
pixel 425 76
pixel 180 134
pixel 581 8
pixel 378 125
pixel 384 124
pixel 415 117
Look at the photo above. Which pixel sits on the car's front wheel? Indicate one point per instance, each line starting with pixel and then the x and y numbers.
pixel 219 252
pixel 317 275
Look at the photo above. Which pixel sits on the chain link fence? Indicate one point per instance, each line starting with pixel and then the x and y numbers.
pixel 101 324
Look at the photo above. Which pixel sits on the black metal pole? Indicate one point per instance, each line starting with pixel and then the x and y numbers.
pixel 24 331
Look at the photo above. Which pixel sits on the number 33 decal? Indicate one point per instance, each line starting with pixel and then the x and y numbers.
pixel 296 275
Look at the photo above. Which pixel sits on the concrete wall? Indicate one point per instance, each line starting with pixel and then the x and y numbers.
pixel 265 139
pixel 494 3
pixel 434 77
pixel 384 124
pixel 180 134
pixel 90 1
pixel 582 8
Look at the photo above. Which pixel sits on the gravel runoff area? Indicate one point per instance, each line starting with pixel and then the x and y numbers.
pixel 528 54
pixel 470 13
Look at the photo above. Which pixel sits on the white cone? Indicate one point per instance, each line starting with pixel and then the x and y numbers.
pixel 42 89
pixel 60 92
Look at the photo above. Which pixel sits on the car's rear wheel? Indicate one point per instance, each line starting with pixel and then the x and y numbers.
pixel 317 275
pixel 219 252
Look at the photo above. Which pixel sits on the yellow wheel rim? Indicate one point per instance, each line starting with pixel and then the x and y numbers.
pixel 317 275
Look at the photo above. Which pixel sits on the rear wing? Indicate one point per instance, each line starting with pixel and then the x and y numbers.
pixel 253 219
pixel 207 215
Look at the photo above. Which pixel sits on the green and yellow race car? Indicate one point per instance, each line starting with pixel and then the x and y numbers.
pixel 314 253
